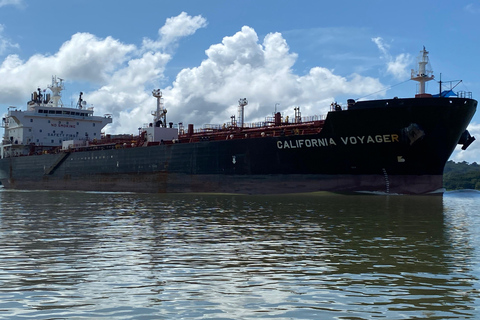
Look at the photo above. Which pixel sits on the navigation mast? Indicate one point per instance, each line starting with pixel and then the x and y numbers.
pixel 56 87
pixel 424 72
pixel 241 111
pixel 160 115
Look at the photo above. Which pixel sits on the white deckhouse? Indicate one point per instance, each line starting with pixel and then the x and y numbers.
pixel 47 124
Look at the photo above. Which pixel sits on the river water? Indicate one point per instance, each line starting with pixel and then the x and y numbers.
pixel 80 255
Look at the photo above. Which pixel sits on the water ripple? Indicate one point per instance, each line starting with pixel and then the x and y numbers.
pixel 69 255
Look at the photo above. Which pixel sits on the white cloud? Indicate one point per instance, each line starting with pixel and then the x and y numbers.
pixel 84 57
pixel 383 47
pixel 181 26
pixel 5 43
pixel 175 28
pixel 87 57
pixel 396 66
pixel 242 67
pixel 18 3
pixel 472 8
pixel 472 153
pixel 399 66
pixel 126 95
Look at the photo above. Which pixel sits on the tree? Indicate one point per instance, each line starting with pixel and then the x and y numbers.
pixel 461 175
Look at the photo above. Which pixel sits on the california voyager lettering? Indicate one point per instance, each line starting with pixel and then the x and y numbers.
pixel 325 142
pixel 293 144
pixel 385 138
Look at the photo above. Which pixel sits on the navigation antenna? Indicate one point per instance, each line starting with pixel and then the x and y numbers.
pixel 56 87
pixel 160 115
pixel 424 72
pixel 241 108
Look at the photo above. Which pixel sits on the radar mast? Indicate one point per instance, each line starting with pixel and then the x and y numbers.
pixel 424 72
pixel 56 87
pixel 241 111
pixel 160 115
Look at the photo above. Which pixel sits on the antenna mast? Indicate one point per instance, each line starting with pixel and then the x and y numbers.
pixel 424 72
pixel 241 108
pixel 160 115
pixel 56 87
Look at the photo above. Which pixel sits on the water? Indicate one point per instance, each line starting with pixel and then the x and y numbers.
pixel 73 255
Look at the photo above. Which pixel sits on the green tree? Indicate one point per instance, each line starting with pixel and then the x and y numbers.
pixel 461 175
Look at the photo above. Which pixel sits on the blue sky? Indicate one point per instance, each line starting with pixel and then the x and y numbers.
pixel 205 55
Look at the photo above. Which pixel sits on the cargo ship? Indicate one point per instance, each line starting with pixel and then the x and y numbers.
pixel 397 145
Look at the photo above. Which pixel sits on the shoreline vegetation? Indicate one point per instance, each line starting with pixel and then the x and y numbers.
pixel 461 175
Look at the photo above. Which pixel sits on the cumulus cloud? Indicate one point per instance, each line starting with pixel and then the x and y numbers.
pixel 126 95
pixel 82 58
pixel 396 66
pixel 175 28
pixel 94 59
pixel 240 67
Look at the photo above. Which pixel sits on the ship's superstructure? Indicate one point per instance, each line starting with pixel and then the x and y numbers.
pixel 397 145
pixel 47 123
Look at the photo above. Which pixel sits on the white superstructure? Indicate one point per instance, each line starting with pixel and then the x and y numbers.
pixel 46 123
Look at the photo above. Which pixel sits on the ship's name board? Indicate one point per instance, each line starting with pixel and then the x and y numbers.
pixel 325 142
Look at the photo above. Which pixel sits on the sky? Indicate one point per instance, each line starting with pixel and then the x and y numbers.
pixel 206 55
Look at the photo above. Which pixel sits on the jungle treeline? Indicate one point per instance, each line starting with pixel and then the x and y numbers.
pixel 461 175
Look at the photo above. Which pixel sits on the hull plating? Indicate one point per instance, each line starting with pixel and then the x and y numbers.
pixel 260 184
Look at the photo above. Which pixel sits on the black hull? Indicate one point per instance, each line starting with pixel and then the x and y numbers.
pixel 390 146
pixel 258 184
